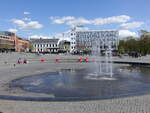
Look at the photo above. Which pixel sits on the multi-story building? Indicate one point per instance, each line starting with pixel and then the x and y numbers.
pixel 103 39
pixel 6 43
pixel 17 44
pixel 22 45
pixel 64 46
pixel 45 45
pixel 82 39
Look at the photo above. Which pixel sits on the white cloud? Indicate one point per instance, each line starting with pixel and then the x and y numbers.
pixel 27 19
pixel 33 25
pixel 131 25
pixel 72 21
pixel 127 33
pixel 78 21
pixel 27 25
pixel 26 13
pixel 81 28
pixel 39 36
pixel 109 20
pixel 13 30
pixel 62 19
pixel 19 23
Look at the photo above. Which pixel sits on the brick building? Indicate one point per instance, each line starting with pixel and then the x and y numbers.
pixel 17 44
pixel 6 43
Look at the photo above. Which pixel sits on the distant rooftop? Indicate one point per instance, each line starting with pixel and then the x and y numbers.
pixel 7 33
pixel 44 40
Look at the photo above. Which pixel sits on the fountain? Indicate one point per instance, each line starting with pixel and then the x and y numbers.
pixel 100 79
pixel 104 69
pixel 108 62
pixel 71 84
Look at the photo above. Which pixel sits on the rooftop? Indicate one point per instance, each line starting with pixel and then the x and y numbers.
pixel 44 40
pixel 7 33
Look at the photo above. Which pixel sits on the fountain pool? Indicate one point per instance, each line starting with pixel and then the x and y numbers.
pixel 74 83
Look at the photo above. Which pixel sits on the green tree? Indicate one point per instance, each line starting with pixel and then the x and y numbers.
pixel 144 42
pixel 131 45
pixel 141 45
pixel 121 47
pixel 31 47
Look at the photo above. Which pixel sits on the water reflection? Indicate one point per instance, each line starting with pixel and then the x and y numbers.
pixel 130 80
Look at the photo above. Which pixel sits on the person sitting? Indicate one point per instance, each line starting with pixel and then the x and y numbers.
pixel 19 61
pixel 25 61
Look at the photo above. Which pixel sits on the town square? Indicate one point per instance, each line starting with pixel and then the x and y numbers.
pixel 83 56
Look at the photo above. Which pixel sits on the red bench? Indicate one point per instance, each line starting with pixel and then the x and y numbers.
pixel 57 60
pixel 86 59
pixel 42 59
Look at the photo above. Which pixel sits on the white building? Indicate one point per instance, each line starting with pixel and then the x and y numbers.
pixel 45 45
pixel 81 38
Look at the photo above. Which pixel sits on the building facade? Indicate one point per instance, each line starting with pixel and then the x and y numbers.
pixel 6 43
pixel 45 45
pixel 10 40
pixel 21 45
pixel 103 39
pixel 64 46
pixel 85 39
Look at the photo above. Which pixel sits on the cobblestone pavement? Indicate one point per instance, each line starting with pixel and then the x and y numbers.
pixel 136 104
pixel 139 104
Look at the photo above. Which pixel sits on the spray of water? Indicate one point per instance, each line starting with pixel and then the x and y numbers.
pixel 103 65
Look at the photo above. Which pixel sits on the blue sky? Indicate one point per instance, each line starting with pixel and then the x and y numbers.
pixel 49 17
